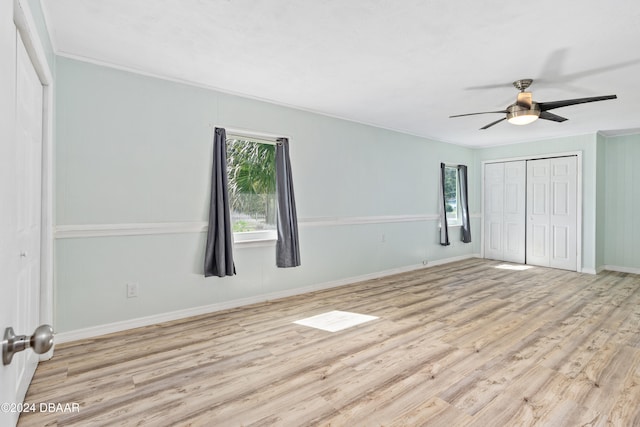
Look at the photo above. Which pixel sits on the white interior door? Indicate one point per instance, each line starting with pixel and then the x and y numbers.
pixel 20 215
pixel 514 211
pixel 504 207
pixel 563 213
pixel 552 212
pixel 538 212
pixel 29 184
pixel 493 210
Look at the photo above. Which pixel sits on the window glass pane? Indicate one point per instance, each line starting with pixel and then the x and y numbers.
pixel 451 193
pixel 251 171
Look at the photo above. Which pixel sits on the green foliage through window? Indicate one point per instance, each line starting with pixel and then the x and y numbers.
pixel 451 193
pixel 252 184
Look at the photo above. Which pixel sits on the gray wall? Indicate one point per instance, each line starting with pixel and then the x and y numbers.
pixel 621 230
pixel 137 150
pixel 601 206
pixel 134 151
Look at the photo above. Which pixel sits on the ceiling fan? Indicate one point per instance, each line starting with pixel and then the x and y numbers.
pixel 525 110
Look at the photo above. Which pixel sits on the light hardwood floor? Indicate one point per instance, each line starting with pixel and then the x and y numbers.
pixel 459 344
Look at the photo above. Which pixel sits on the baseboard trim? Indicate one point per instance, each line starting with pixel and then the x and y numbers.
pixel 95 331
pixel 631 270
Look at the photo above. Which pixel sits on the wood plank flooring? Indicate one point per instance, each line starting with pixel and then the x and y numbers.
pixel 460 344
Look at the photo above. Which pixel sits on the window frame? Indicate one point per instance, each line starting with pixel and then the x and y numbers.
pixel 260 237
pixel 457 221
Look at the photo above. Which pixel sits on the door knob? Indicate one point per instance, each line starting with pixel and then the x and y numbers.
pixel 40 342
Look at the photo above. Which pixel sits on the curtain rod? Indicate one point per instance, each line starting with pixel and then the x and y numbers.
pixel 269 137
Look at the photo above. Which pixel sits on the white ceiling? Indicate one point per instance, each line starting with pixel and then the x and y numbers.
pixel 404 65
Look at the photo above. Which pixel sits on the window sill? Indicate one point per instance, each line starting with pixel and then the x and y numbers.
pixel 451 225
pixel 255 238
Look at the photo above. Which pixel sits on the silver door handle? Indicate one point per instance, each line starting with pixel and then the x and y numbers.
pixel 40 342
pixel 23 254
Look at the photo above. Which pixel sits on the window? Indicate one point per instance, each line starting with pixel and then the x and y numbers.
pixel 451 195
pixel 251 171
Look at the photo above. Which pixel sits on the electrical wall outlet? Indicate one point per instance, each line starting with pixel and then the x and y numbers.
pixel 132 290
pixel 425 262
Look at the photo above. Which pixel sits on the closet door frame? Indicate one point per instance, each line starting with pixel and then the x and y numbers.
pixel 579 230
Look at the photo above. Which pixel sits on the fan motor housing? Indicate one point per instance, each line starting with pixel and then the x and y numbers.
pixel 515 110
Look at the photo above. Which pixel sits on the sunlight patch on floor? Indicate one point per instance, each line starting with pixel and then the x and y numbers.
pixel 334 321
pixel 514 267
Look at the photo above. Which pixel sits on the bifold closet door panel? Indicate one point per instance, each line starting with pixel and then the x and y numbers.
pixel 552 212
pixel 563 213
pixel 514 227
pixel 504 211
pixel 538 213
pixel 493 210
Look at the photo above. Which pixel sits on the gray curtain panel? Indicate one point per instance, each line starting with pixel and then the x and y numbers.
pixel 444 227
pixel 218 255
pixel 287 246
pixel 464 204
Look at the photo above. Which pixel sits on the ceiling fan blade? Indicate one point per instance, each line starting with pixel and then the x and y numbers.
pixel 491 86
pixel 550 116
pixel 493 123
pixel 484 112
pixel 545 106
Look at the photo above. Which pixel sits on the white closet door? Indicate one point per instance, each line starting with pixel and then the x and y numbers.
pixel 504 211
pixel 552 212
pixel 538 212
pixel 563 214
pixel 493 210
pixel 514 211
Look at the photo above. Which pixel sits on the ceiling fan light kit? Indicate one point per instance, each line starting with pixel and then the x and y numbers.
pixel 521 115
pixel 525 111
